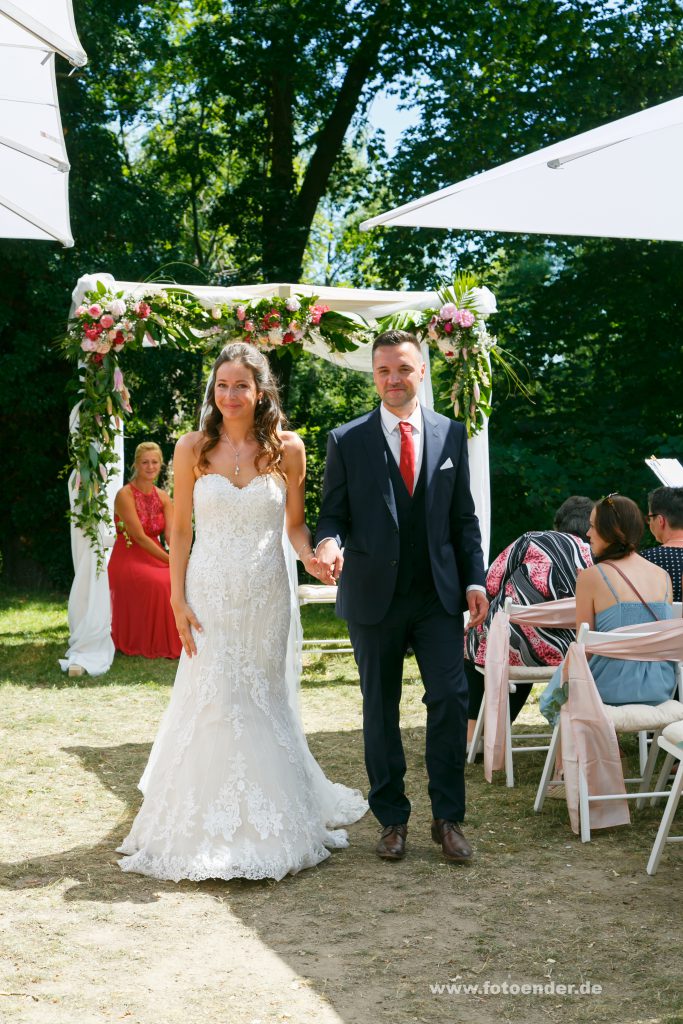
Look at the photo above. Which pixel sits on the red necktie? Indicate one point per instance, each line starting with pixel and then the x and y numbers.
pixel 407 463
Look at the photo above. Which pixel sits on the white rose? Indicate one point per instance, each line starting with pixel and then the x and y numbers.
pixel 275 336
pixel 116 307
pixel 292 304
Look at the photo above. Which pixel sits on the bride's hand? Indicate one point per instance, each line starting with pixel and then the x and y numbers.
pixel 314 567
pixel 186 620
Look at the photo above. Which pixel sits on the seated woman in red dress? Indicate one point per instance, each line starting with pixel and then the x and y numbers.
pixel 139 581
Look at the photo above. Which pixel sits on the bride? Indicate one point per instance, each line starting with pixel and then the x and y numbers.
pixel 231 789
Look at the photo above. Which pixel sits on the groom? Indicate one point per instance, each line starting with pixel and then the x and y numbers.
pixel 397 499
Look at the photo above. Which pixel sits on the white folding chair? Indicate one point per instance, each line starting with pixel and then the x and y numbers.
pixel 516 674
pixel 644 738
pixel 628 718
pixel 315 593
pixel 671 741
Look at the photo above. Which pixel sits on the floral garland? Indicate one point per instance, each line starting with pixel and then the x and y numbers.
pixel 108 323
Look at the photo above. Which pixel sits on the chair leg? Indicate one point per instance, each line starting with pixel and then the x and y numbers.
pixel 477 735
pixel 642 750
pixel 662 778
pixel 584 808
pixel 509 770
pixel 665 824
pixel 548 769
pixel 646 781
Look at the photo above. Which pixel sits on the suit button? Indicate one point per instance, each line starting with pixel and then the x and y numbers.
pixel 393 562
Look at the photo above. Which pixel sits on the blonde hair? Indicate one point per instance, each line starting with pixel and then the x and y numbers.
pixel 142 449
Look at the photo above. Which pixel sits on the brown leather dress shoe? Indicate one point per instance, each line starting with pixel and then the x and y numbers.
pixel 453 843
pixel 392 842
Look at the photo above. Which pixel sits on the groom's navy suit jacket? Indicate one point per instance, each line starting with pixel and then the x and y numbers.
pixel 359 510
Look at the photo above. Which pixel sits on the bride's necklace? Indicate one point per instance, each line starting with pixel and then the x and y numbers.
pixel 236 451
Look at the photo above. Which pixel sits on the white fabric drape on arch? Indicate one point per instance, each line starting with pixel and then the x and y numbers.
pixel 90 642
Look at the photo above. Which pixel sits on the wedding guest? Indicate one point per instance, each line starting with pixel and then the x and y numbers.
pixel 139 581
pixel 665 519
pixel 620 589
pixel 539 566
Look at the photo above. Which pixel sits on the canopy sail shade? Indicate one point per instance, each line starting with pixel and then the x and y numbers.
pixel 34 200
pixel 621 180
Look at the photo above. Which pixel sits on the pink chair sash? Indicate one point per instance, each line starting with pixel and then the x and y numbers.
pixel 587 735
pixel 551 614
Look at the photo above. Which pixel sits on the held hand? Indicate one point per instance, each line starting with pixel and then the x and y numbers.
pixel 186 620
pixel 478 604
pixel 330 559
pixel 314 567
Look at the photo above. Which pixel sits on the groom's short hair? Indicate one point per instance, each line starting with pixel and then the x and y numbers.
pixel 391 338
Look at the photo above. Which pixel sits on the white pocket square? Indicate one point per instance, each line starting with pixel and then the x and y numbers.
pixel 448 464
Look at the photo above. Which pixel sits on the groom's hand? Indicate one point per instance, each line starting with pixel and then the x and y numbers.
pixel 478 604
pixel 330 560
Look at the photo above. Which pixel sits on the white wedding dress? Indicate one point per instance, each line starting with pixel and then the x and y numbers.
pixel 231 789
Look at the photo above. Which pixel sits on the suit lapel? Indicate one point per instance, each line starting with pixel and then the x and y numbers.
pixel 433 446
pixel 374 442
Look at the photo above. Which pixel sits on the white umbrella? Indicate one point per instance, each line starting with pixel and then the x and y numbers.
pixel 621 180
pixel 34 199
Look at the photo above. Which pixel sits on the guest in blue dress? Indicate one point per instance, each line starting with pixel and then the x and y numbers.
pixel 621 589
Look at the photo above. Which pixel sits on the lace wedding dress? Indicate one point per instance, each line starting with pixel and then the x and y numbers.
pixel 231 789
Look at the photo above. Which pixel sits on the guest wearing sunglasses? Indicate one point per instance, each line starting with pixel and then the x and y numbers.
pixel 665 519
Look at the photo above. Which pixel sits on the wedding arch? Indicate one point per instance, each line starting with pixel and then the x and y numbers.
pixel 337 324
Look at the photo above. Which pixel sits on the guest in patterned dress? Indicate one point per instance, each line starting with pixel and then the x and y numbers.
pixel 139 580
pixel 665 519
pixel 538 566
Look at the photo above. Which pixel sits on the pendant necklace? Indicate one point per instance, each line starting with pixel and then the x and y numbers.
pixel 236 452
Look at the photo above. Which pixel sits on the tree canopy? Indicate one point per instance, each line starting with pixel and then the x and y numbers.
pixel 230 142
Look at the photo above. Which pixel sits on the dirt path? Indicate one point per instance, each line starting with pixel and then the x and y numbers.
pixel 353 941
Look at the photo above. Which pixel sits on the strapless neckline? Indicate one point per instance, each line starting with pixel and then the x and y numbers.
pixel 236 487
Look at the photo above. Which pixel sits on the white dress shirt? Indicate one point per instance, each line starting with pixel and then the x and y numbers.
pixel 392 433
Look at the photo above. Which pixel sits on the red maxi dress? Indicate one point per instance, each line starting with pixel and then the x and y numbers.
pixel 140 586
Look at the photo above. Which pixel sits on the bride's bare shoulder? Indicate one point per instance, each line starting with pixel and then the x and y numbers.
pixel 189 442
pixel 291 441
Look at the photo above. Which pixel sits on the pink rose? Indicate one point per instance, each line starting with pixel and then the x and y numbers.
pixel 448 311
pixel 464 317
pixel 89 345
pixel 317 313
pixel 142 310
pixel 81 311
pixel 95 311
pixel 448 326
pixel 107 321
pixel 240 313
pixel 248 326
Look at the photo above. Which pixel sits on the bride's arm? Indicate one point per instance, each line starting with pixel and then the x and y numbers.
pixel 294 467
pixel 181 538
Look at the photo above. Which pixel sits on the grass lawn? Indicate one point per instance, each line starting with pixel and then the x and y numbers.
pixel 355 940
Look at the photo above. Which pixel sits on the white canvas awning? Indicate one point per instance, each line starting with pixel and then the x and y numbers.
pixel 622 180
pixel 34 199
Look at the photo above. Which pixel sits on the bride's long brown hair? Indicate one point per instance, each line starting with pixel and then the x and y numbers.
pixel 268 416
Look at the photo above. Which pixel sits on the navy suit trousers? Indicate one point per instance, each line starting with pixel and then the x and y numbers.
pixel 418 620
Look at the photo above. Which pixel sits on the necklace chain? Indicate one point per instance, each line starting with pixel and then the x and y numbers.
pixel 236 451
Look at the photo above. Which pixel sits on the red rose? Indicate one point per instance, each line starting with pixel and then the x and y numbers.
pixel 97 358
pixel 287 338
